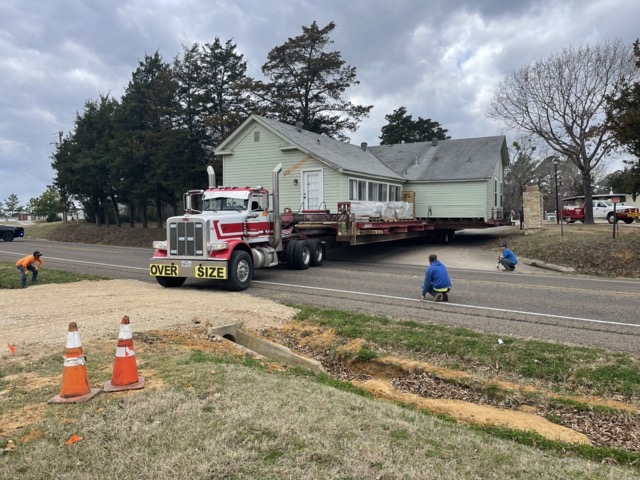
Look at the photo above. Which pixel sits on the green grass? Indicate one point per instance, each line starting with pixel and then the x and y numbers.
pixel 203 415
pixel 10 276
pixel 580 369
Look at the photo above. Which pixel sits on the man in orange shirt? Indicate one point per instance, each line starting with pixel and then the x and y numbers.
pixel 29 263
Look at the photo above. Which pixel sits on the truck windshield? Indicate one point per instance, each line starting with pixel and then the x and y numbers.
pixel 224 203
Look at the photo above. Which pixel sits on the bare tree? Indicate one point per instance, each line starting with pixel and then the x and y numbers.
pixel 562 99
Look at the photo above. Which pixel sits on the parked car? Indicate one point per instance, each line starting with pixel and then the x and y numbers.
pixel 9 232
pixel 602 209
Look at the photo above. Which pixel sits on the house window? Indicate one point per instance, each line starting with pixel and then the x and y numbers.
pixel 374 191
pixel 382 192
pixel 256 135
pixel 362 190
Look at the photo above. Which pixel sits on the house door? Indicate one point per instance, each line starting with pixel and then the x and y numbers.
pixel 312 189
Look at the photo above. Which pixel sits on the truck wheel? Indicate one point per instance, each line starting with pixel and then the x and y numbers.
pixel 7 236
pixel 289 253
pixel 302 255
pixel 628 220
pixel 171 282
pixel 568 219
pixel 240 271
pixel 611 218
pixel 317 252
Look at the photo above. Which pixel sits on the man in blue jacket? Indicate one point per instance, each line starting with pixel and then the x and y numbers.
pixel 436 280
pixel 507 258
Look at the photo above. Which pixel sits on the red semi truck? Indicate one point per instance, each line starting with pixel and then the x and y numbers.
pixel 228 232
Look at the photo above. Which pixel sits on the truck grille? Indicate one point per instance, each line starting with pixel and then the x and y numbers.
pixel 186 239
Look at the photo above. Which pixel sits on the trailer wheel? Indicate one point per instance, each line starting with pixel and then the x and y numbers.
pixel 170 282
pixel 302 255
pixel 7 236
pixel 289 253
pixel 240 271
pixel 445 237
pixel 317 252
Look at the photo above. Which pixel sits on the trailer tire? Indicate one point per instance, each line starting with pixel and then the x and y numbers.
pixel 170 282
pixel 302 255
pixel 445 237
pixel 289 253
pixel 317 252
pixel 240 271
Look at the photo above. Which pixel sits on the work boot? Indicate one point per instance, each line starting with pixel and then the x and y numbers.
pixel 445 297
pixel 438 297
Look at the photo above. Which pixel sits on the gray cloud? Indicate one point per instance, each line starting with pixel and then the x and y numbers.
pixel 439 59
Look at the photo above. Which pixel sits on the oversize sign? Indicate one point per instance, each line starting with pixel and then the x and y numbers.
pixel 217 273
pixel 163 270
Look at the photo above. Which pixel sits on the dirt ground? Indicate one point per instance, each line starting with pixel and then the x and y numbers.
pixel 38 317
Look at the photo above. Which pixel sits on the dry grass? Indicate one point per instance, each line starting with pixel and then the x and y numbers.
pixel 589 249
pixel 202 416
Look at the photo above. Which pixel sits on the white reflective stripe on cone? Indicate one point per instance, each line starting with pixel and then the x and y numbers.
pixel 75 361
pixel 125 332
pixel 73 340
pixel 124 352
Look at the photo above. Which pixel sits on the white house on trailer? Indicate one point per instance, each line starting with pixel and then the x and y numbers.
pixel 453 180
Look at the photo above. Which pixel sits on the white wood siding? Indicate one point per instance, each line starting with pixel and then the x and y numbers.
pixel 494 191
pixel 450 200
pixel 253 161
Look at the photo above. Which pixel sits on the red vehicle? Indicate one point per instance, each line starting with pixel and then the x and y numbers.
pixel 227 232
pixel 603 208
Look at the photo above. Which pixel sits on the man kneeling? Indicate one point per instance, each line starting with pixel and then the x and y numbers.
pixel 436 280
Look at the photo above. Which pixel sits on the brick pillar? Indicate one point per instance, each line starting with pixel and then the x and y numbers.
pixel 532 205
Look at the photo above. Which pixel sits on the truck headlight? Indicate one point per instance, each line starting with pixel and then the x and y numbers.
pixel 160 244
pixel 218 246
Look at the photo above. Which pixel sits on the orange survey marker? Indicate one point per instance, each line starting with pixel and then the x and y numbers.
pixel 125 373
pixel 75 381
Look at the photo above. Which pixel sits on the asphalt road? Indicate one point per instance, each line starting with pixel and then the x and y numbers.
pixel 385 279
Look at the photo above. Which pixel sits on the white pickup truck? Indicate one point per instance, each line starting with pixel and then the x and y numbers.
pixel 602 209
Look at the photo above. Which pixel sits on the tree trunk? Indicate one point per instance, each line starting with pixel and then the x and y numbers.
pixel 116 212
pixel 588 197
pixel 159 212
pixel 145 217
pixel 132 210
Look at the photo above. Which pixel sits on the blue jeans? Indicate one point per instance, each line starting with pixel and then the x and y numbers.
pixel 507 264
pixel 23 280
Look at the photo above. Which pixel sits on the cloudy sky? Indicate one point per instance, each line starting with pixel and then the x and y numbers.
pixel 439 59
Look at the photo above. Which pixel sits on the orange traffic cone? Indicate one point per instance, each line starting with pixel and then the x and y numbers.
pixel 75 382
pixel 125 373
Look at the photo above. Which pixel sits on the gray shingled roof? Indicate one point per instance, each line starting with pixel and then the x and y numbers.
pixel 340 155
pixel 462 159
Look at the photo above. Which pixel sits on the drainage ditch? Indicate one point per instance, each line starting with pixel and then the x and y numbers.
pixel 263 347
